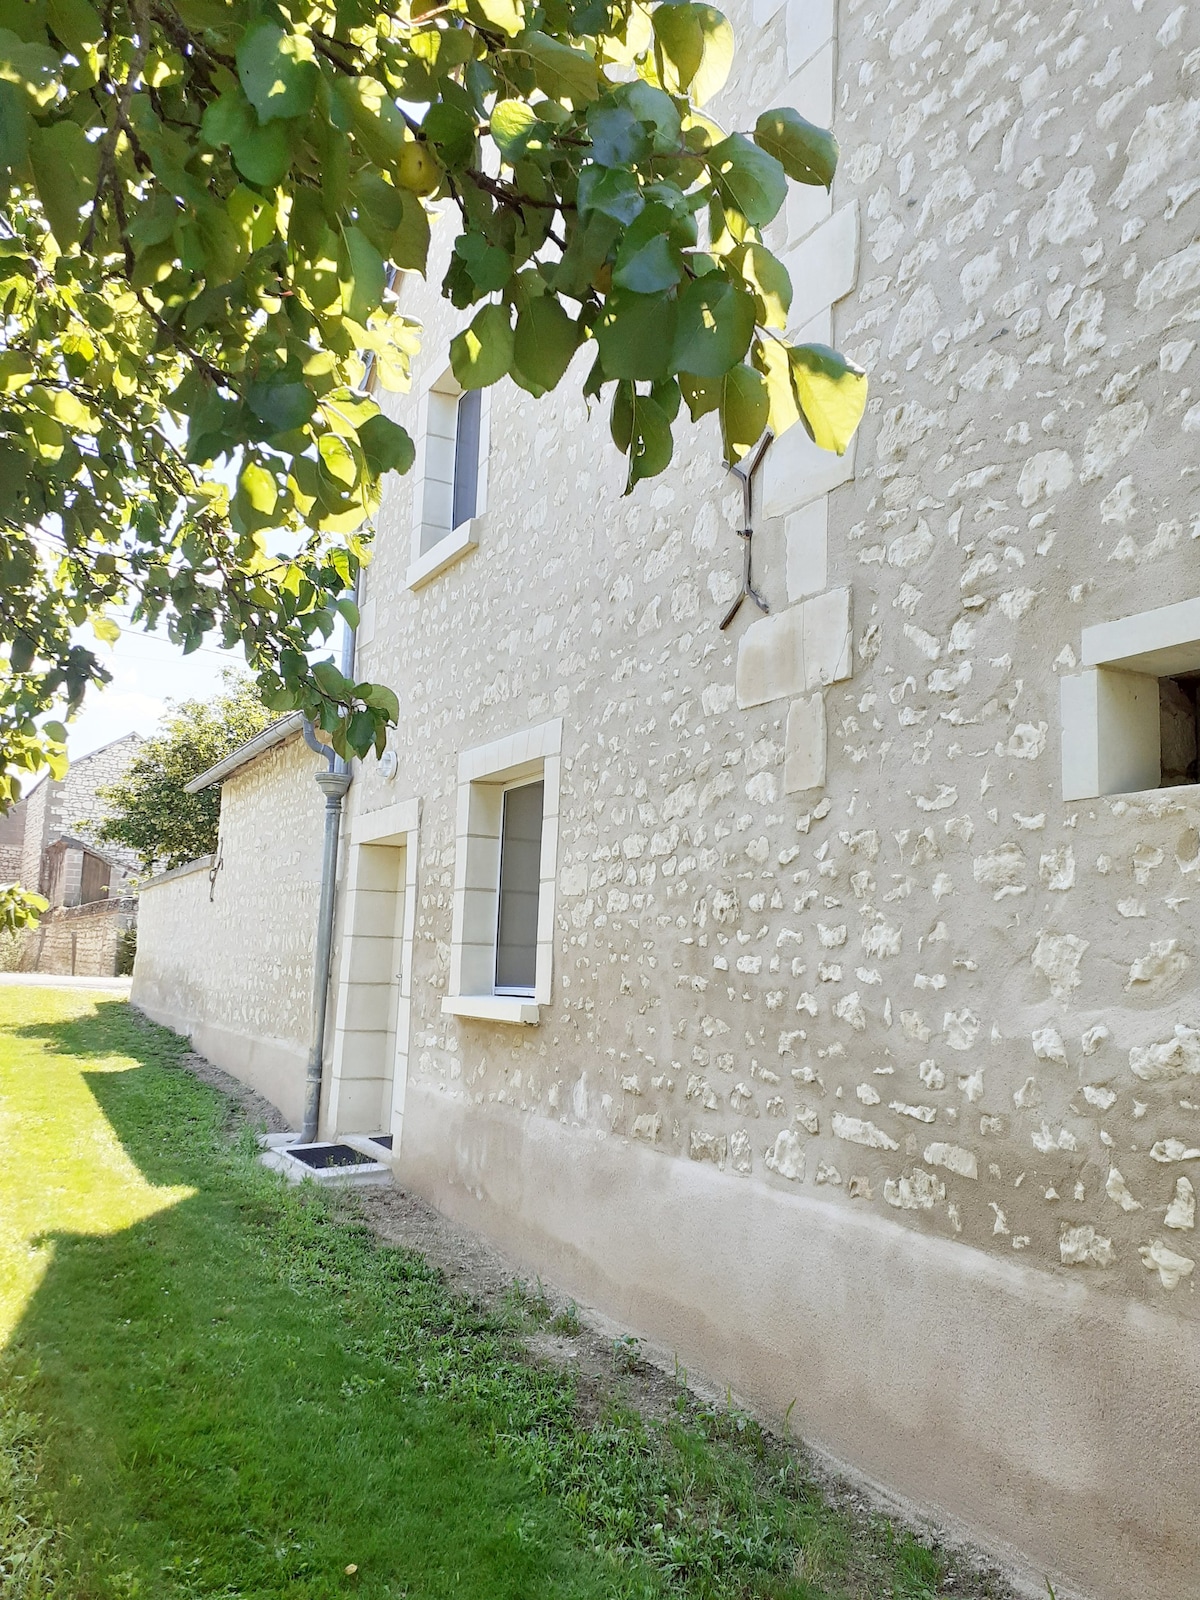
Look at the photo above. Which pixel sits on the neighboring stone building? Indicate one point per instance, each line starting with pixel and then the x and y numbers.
pixel 56 807
pixel 835 1024
pixel 47 843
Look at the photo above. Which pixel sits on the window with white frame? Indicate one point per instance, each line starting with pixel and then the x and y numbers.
pixel 451 476
pixel 1131 718
pixel 505 861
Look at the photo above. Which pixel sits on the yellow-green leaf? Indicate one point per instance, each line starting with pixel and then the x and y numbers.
pixel 832 393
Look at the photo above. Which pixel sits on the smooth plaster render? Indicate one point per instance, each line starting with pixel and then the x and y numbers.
pixel 797 1295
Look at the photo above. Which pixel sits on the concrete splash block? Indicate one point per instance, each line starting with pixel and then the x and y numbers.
pixel 796 651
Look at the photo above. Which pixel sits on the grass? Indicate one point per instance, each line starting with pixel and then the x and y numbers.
pixel 216 1386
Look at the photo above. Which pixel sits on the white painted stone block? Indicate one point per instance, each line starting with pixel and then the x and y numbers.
pixel 824 266
pixel 812 88
pixel 807 207
pixel 795 651
pixel 811 25
pixel 763 10
pixel 804 745
pixel 806 541
pixel 1110 733
pixel 1164 642
pixel 795 472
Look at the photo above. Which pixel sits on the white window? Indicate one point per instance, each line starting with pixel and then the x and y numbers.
pixel 506 854
pixel 450 493
pixel 1130 719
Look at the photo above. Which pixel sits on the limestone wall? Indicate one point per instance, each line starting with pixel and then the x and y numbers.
pixel 82 941
pixel 69 805
pixel 827 934
pixel 225 947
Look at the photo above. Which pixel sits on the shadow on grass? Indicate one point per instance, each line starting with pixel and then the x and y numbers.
pixel 244 1396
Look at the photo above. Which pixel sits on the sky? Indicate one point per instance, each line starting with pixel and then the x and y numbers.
pixel 148 670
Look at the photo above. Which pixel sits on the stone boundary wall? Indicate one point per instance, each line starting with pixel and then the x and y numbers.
pixel 80 941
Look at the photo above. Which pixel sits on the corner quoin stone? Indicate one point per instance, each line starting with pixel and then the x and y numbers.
pixel 804 745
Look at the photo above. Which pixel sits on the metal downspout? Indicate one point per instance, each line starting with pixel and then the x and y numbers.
pixel 333 784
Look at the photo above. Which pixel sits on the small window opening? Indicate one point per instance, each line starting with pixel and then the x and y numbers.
pixel 1179 724
pixel 466 458
pixel 520 885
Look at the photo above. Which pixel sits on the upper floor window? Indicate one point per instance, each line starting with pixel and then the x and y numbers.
pixel 466 457
pixel 451 476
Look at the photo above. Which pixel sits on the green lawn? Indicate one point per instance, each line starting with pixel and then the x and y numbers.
pixel 213 1385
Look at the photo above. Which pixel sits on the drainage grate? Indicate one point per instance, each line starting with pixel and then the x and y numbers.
pixel 323 1156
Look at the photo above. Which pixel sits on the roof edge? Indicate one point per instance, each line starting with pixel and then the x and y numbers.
pixel 272 735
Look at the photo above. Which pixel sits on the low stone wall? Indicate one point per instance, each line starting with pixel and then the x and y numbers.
pixel 80 941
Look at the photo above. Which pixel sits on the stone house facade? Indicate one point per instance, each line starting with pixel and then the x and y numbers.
pixel 854 1050
pixel 47 843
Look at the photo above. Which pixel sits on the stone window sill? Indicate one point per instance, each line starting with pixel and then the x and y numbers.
pixel 493 1008
pixel 443 554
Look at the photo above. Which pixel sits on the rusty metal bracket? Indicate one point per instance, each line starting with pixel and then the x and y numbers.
pixel 746 532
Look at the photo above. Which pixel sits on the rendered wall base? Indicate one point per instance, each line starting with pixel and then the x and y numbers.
pixel 270 1067
pixel 1039 1415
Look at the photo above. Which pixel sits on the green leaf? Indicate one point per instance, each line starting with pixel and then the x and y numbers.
pixel 259 488
pixel 805 152
pixel 650 444
pixel 16 370
pixel 515 129
pixel 647 268
pixel 409 247
pixel 618 137
pixel 76 23
pixel 773 360
pixel 832 393
pixel 32 66
pixel 361 274
pixel 451 132
pixel 381 698
pixel 744 410
pixel 337 459
pixel 14 128
pixel 656 108
pixel 769 279
pixel 748 180
pixel 507 15
pixel 634 335
pixel 693 49
pixel 220 246
pixel 620 421
pixel 614 194
pixel 105 629
pixel 489 266
pixel 716 324
pixel 331 682
pixel 263 154
pixel 560 72
pixel 278 71
pixel 483 353
pixel 227 119
pixel 544 342
pixel 282 406
pixel 65 168
pixel 386 445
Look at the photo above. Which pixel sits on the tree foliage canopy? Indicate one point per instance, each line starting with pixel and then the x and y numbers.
pixel 207 204
pixel 149 810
